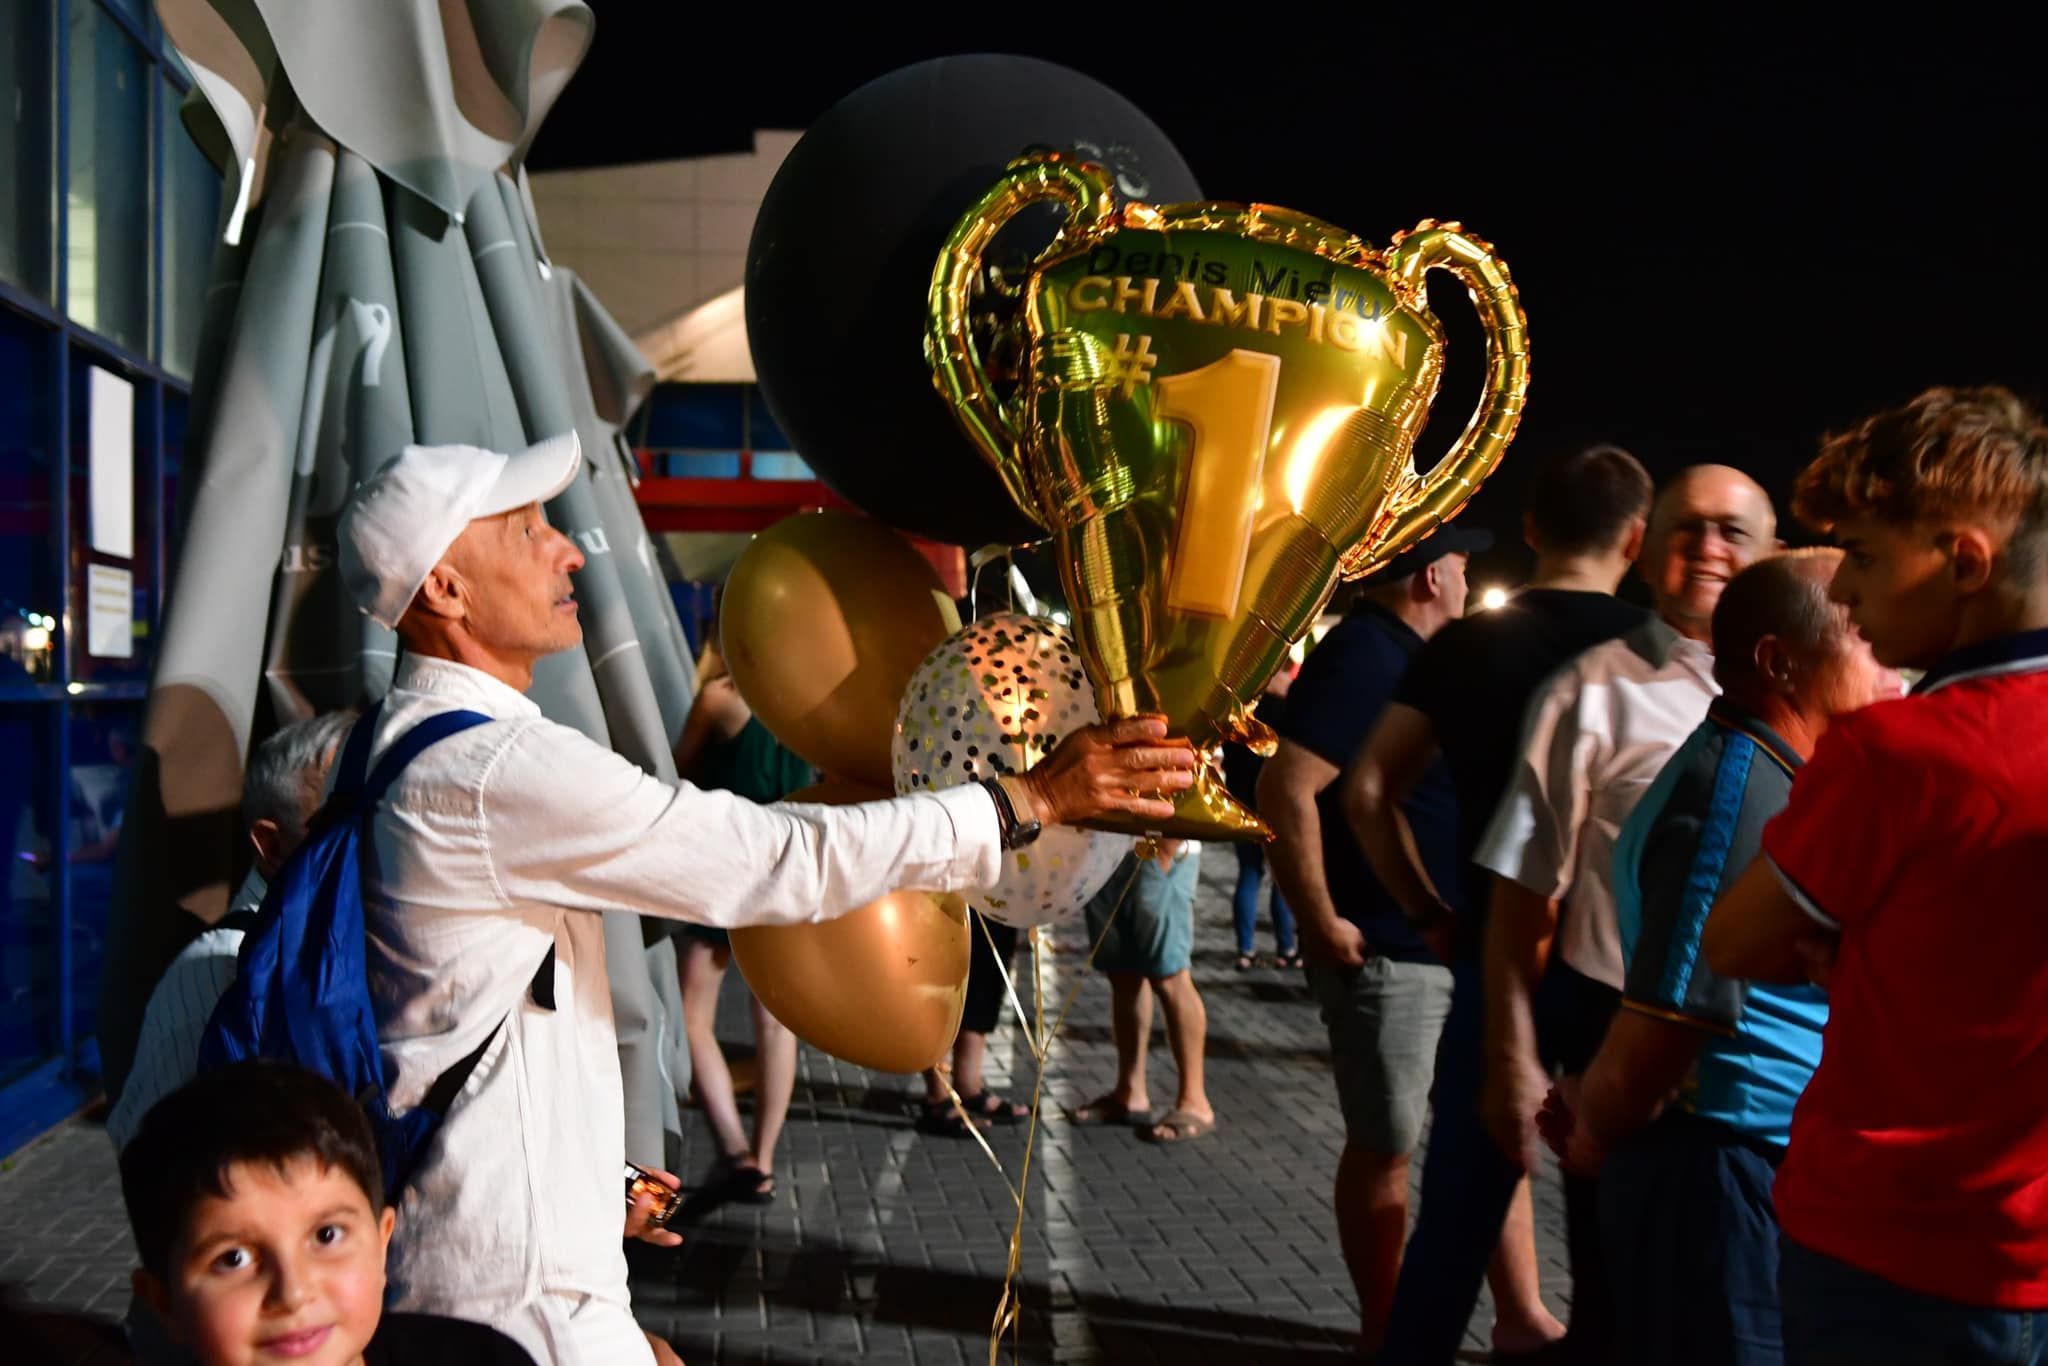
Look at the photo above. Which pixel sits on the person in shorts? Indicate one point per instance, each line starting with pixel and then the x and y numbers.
pixel 1142 923
pixel 1384 986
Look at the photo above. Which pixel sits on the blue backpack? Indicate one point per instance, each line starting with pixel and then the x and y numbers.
pixel 301 993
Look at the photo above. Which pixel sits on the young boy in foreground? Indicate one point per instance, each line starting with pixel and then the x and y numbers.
pixel 1907 869
pixel 257 1204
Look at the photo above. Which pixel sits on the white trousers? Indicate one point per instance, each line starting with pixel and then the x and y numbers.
pixel 578 1330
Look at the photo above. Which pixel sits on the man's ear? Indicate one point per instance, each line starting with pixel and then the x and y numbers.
pixel 1972 556
pixel 1429 583
pixel 268 841
pixel 444 594
pixel 1632 544
pixel 151 1290
pixel 1773 663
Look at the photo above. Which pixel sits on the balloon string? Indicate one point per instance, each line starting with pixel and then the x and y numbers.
pixel 1008 1304
pixel 1031 1035
pixel 975 563
pixel 974 1132
pixel 1020 589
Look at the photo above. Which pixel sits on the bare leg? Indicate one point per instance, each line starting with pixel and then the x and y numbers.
pixel 968 1051
pixel 1187 1034
pixel 1131 1022
pixel 776 1047
pixel 1372 1219
pixel 702 969
pixel 1521 1322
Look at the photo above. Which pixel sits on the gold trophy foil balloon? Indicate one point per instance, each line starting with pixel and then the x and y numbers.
pixel 1214 419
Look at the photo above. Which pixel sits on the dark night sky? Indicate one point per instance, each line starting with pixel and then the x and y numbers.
pixel 1728 237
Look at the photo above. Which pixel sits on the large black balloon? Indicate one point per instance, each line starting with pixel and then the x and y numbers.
pixel 841 261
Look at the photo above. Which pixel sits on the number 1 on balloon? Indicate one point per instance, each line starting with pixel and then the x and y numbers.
pixel 1228 406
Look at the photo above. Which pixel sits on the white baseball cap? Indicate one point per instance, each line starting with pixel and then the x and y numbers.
pixel 401 520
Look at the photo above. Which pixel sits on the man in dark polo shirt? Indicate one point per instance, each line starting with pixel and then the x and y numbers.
pixel 1685 1110
pixel 1914 1193
pixel 1463 700
pixel 1383 988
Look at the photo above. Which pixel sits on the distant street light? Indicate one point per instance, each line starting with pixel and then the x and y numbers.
pixel 1491 598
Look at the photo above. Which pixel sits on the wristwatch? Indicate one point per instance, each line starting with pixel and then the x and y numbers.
pixel 1015 833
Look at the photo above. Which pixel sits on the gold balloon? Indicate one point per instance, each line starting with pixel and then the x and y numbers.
pixel 881 987
pixel 824 619
pixel 1215 421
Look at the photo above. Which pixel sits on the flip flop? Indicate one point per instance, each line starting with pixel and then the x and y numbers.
pixel 999 1110
pixel 1104 1111
pixel 1245 962
pixel 939 1119
pixel 1186 1125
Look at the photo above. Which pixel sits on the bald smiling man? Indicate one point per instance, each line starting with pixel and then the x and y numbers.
pixel 1592 740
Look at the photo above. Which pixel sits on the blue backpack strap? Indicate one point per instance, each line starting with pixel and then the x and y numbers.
pixel 355 755
pixel 407 747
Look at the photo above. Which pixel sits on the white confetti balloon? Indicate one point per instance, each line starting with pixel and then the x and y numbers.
pixel 994 699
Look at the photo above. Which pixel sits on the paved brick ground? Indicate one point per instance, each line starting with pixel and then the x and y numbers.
pixel 887 1246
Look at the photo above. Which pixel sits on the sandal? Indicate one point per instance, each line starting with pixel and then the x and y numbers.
pixel 939 1119
pixel 1291 959
pixel 1105 1110
pixel 1184 1125
pixel 750 1186
pixel 986 1104
pixel 1245 962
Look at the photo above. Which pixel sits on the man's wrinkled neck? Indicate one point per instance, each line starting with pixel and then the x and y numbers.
pixel 1782 714
pixel 459 647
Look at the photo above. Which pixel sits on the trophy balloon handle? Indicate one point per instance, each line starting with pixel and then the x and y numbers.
pixel 1424 502
pixel 1088 192
pixel 1205 811
pixel 1255 735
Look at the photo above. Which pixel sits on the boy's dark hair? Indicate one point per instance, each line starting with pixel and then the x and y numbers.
pixel 259 1111
pixel 1947 453
pixel 1582 501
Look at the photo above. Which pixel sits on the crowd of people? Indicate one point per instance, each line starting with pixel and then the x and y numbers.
pixel 1695 895
pixel 1699 898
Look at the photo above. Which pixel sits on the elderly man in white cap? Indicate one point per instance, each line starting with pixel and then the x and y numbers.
pixel 498 846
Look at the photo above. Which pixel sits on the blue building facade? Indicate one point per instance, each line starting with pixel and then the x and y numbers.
pixel 108 213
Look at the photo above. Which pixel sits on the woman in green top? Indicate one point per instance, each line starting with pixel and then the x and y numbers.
pixel 725 746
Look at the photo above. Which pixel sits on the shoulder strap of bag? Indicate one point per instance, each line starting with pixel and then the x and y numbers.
pixel 366 793
pixel 407 747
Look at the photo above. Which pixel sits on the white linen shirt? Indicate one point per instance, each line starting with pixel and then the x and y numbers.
pixel 502 842
pixel 167 1050
pixel 1593 739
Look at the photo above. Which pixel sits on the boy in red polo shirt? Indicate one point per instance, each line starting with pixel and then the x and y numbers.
pixel 1914 850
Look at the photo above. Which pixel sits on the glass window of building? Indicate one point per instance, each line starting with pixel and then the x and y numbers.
pixel 28 900
pixel 107 198
pixel 107 227
pixel 177 414
pixel 113 523
pixel 697 431
pixel 30 597
pixel 28 131
pixel 104 740
pixel 191 208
